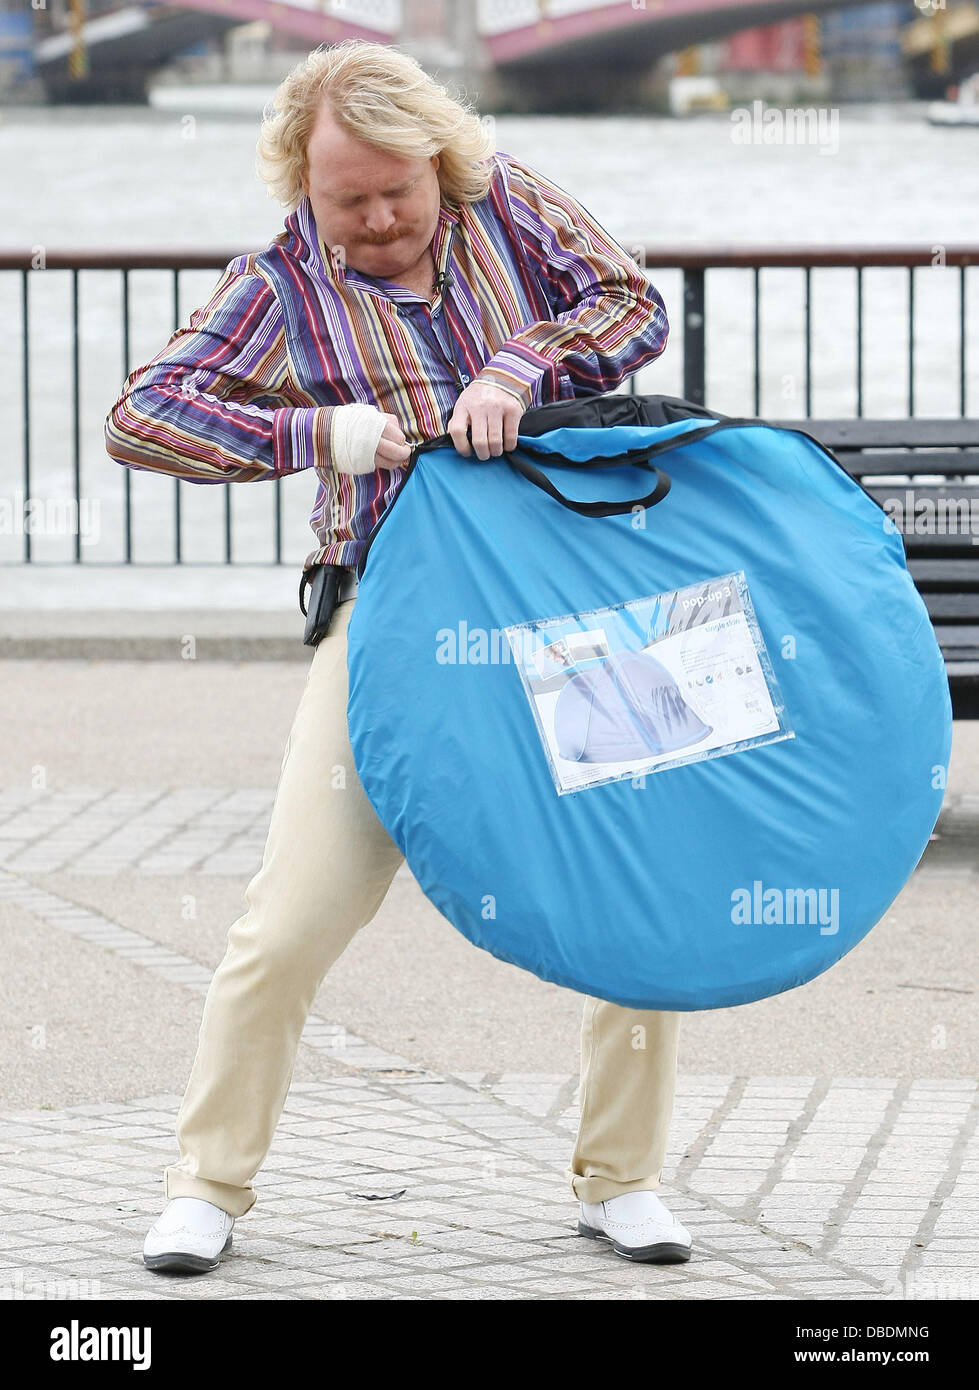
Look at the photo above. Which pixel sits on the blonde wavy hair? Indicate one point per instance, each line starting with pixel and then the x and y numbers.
pixel 384 97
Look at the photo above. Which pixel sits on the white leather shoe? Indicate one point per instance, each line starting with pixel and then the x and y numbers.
pixel 639 1227
pixel 190 1235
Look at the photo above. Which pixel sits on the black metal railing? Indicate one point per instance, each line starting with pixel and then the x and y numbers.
pixel 807 259
pixel 693 266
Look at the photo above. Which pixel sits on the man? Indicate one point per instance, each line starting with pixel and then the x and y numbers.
pixel 422 285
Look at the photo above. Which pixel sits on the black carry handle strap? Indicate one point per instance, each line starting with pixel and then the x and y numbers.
pixel 519 460
pixel 625 458
pixel 636 458
pixel 521 463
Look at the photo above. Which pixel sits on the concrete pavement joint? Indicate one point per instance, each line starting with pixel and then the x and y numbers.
pixel 943 1194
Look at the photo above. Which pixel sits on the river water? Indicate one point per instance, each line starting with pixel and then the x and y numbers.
pixel 180 175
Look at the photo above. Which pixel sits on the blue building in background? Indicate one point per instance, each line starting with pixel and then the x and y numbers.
pixel 16 43
pixel 861 48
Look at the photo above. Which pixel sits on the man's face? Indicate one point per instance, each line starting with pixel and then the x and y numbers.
pixel 382 209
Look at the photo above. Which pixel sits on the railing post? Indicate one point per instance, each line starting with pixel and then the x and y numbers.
pixel 756 344
pixel 694 336
pixel 178 554
pixel 126 358
pixel 808 274
pixel 859 340
pixel 25 315
pixel 76 405
pixel 962 341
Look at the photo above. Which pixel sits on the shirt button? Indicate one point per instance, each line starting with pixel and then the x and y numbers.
pixel 464 379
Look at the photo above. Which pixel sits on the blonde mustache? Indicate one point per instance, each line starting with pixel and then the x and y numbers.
pixel 386 238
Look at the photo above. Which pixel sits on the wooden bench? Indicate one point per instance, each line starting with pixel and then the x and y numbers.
pixel 926 474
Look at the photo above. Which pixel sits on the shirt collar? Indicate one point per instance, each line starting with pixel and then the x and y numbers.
pixel 327 262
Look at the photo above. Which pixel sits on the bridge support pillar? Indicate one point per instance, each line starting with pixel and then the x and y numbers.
pixel 443 36
pixel 581 87
pixel 125 85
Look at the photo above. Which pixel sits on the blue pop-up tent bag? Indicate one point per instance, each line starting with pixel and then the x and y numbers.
pixel 651 705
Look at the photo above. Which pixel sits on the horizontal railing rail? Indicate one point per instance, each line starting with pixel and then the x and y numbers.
pixel 694 264
pixel 649 254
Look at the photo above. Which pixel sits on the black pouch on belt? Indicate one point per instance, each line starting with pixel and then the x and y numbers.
pixel 323 596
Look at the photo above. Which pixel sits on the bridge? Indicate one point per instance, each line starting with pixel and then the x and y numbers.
pixel 519 51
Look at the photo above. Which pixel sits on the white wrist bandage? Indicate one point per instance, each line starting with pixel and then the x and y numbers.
pixel 355 431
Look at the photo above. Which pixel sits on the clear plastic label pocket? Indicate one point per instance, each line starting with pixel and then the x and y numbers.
pixel 650 683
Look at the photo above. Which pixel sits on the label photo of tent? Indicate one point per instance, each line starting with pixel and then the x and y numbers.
pixel 649 684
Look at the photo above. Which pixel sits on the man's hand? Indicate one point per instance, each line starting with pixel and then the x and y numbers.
pixel 491 414
pixel 393 449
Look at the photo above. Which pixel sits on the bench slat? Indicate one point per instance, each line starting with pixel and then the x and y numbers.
pixel 862 464
pixel 961 573
pixel 954 606
pixel 964 635
pixel 937 546
pixel 863 432
pixel 960 660
pixel 949 491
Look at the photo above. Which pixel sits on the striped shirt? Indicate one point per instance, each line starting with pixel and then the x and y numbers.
pixel 537 298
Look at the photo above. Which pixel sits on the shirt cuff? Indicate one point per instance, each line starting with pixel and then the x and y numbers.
pixel 523 372
pixel 301 438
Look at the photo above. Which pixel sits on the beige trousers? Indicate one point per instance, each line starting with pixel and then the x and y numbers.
pixel 327 866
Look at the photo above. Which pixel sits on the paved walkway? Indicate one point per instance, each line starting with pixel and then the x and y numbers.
pixel 396 1182
pixel 392 1177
